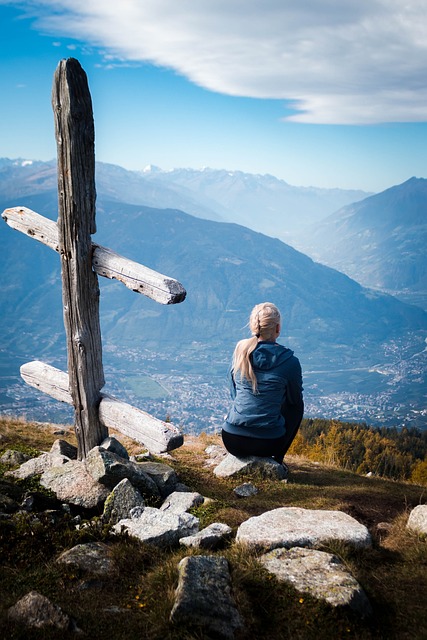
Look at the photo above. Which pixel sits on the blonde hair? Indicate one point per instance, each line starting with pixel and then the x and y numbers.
pixel 263 321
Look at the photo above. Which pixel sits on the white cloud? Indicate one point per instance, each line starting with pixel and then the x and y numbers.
pixel 335 61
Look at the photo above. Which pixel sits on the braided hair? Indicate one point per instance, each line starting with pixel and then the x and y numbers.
pixel 263 321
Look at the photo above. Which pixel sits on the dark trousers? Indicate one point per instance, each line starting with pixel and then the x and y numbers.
pixel 244 446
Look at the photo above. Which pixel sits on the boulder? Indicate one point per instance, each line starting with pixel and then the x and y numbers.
pixel 162 474
pixel 36 466
pixel 159 528
pixel 13 458
pixel 180 502
pixel 8 504
pixel 297 527
pixel 211 537
pixel 109 469
pixel 122 499
pixel 265 467
pixel 64 448
pixel 203 597
pixel 72 483
pixel 37 611
pixel 417 520
pixel 320 574
pixel 112 444
pixel 92 557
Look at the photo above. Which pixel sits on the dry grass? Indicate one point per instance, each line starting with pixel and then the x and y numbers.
pixel 136 601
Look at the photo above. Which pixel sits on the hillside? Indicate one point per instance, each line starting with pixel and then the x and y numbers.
pixel 363 353
pixel 350 340
pixel 261 202
pixel 380 241
pixel 137 597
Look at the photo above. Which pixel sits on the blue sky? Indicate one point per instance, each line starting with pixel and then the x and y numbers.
pixel 320 92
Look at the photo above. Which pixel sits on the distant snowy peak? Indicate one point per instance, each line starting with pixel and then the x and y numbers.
pixel 152 168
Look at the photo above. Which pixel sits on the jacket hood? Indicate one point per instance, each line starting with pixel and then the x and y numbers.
pixel 268 355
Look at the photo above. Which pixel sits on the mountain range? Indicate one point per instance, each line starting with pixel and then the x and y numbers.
pixel 380 241
pixel 360 350
pixel 261 202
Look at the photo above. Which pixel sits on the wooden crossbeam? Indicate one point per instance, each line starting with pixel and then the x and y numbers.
pixel 156 435
pixel 105 262
pixel 81 262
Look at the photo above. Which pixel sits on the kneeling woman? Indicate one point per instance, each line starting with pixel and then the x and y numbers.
pixel 266 388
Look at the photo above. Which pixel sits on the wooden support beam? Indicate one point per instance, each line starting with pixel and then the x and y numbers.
pixel 156 435
pixel 105 262
pixel 75 142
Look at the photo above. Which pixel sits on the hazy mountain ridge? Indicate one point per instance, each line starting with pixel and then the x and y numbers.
pixel 261 202
pixel 380 241
pixel 348 338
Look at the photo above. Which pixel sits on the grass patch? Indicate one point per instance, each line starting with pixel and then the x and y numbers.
pixel 136 600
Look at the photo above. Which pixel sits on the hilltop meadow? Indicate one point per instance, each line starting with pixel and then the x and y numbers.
pixel 375 475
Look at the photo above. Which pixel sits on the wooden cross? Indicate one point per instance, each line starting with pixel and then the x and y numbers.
pixel 81 262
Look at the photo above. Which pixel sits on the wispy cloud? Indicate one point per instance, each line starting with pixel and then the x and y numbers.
pixel 333 61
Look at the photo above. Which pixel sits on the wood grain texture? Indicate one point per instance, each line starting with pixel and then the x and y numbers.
pixel 105 262
pixel 75 138
pixel 156 435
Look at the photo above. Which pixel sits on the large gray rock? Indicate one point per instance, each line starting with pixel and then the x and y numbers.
pixel 36 611
pixel 159 528
pixel 296 527
pixel 93 557
pixel 203 597
pixel 8 504
pixel 72 483
pixel 162 474
pixel 122 499
pixel 417 520
pixel 265 467
pixel 211 537
pixel 180 502
pixel 36 466
pixel 319 574
pixel 112 444
pixel 12 457
pixel 109 469
pixel 64 448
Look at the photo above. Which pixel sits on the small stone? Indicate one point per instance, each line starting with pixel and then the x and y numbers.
pixel 265 467
pixel 245 490
pixel 417 520
pixel 180 502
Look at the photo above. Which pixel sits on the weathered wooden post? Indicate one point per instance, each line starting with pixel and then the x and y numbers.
pixel 81 262
pixel 75 138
